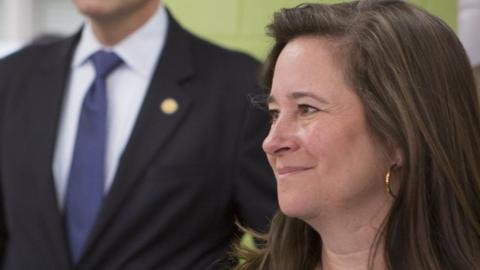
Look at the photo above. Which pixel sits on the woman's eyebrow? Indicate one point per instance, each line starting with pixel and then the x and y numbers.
pixel 302 94
pixel 296 95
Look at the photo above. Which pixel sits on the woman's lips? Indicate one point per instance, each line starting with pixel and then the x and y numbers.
pixel 284 171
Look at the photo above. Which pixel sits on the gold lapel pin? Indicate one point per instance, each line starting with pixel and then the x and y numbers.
pixel 169 106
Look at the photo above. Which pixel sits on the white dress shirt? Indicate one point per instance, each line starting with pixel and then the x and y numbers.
pixel 126 90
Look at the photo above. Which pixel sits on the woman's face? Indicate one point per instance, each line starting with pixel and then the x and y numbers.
pixel 319 146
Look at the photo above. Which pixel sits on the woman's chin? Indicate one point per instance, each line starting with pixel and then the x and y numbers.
pixel 294 208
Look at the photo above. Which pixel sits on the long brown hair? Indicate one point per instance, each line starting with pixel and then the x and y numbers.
pixel 415 82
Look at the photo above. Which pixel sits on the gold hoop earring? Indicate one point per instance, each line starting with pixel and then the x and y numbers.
pixel 388 183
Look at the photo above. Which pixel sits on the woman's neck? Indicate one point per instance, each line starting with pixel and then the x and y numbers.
pixel 353 260
pixel 349 238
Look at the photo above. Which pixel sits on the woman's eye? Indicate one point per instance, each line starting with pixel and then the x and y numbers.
pixel 307 109
pixel 273 114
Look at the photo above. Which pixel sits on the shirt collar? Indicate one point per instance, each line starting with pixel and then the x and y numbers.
pixel 139 50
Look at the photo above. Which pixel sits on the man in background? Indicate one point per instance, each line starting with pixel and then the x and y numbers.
pixel 130 145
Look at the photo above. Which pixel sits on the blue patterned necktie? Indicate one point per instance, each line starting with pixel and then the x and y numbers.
pixel 86 180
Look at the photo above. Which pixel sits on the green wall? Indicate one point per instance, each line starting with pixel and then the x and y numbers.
pixel 240 24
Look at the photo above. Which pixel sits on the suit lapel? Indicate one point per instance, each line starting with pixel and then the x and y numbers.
pixel 45 99
pixel 153 126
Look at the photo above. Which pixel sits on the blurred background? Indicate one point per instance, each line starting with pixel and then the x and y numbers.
pixel 238 24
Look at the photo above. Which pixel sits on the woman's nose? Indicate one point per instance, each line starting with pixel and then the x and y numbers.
pixel 281 138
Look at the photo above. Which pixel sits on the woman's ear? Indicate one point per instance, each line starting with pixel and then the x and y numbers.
pixel 395 155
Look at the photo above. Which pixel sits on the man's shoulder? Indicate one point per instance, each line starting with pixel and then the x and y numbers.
pixel 33 54
pixel 208 58
pixel 217 54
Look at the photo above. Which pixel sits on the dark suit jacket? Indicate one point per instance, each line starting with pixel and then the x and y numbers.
pixel 181 181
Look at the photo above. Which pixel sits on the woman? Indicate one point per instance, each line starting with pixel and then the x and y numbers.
pixel 375 142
